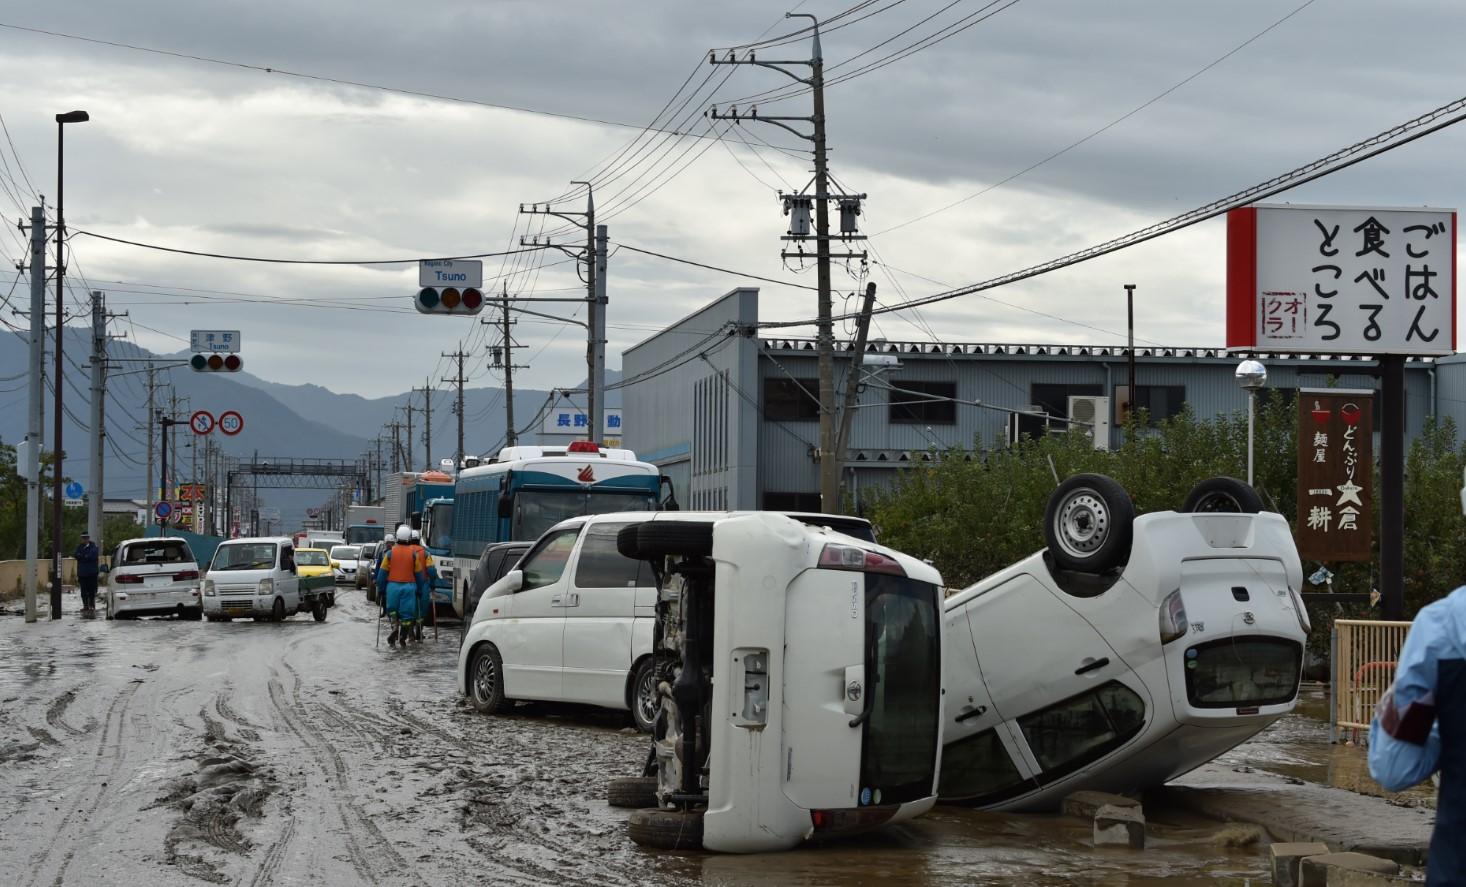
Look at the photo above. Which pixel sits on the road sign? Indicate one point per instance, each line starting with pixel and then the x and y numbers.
pixel 573 420
pixel 230 422
pixel 214 341
pixel 1341 280
pixel 74 490
pixel 458 273
pixel 202 422
pixel 162 510
pixel 1335 474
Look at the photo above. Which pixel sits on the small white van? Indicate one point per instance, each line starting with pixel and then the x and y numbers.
pixel 257 577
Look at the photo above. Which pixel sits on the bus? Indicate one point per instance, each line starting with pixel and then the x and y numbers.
pixel 526 490
pixel 437 538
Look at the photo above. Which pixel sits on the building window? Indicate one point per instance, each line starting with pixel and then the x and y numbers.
pixel 791 400
pixel 924 403
pixel 1159 401
pixel 1083 728
pixel 1053 399
pixel 791 501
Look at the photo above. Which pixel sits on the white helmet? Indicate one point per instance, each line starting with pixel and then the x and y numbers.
pixel 404 533
pixel 416 536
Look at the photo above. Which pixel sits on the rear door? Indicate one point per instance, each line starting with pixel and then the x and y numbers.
pixel 530 639
pixel 600 609
pixel 978 766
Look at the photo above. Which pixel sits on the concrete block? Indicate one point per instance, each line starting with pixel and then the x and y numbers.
pixel 1086 804
pixel 1119 827
pixel 1285 860
pixel 1347 870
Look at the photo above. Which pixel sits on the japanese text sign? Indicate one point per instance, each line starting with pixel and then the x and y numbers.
pixel 1341 280
pixel 573 420
pixel 1335 474
pixel 214 341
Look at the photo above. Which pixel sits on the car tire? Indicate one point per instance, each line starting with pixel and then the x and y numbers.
pixel 486 681
pixel 192 614
pixel 1089 524
pixel 318 610
pixel 666 829
pixel 371 594
pixel 277 612
pixel 632 792
pixel 331 600
pixel 642 696
pixel 1222 495
pixel 656 539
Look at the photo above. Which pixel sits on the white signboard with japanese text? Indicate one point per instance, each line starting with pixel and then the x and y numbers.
pixel 451 272
pixel 1341 280
pixel 214 341
pixel 575 421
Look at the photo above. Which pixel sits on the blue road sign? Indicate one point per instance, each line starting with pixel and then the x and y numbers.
pixel 74 490
pixel 162 510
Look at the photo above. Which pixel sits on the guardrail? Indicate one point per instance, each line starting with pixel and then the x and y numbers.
pixel 1364 655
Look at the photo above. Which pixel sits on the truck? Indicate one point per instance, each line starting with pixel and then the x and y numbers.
pixel 437 538
pixel 365 523
pixel 406 493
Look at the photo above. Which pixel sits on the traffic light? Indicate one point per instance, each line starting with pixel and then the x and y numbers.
pixel 449 300
pixel 214 363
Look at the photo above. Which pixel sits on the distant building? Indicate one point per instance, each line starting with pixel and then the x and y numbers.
pixel 733 416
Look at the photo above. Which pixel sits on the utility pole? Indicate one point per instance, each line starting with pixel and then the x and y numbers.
pixel 1132 397
pixel 597 406
pixel 427 423
pixel 407 466
pixel 396 445
pixel 152 411
pixel 501 357
pixel 458 407
pixel 35 413
pixel 852 377
pixel 797 207
pixel 99 425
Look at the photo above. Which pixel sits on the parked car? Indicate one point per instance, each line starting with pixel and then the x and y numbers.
pixel 316 572
pixel 258 577
pixel 496 560
pixel 1130 651
pixel 573 620
pixel 152 577
pixel 366 559
pixel 343 562
pixel 808 697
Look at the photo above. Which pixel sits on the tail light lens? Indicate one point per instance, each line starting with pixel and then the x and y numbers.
pixel 185 575
pixel 847 820
pixel 1173 617
pixel 849 557
pixel 127 579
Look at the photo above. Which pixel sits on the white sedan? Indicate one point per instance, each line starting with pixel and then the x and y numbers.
pixel 344 562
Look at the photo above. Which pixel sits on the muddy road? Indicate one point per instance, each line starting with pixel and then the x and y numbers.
pixel 163 752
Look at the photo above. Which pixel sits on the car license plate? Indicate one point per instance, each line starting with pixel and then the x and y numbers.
pixel 154 581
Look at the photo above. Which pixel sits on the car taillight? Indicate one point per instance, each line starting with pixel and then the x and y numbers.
pixel 852 820
pixel 185 575
pixel 1173 617
pixel 848 557
pixel 128 579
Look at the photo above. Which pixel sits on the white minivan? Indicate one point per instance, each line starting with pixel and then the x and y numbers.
pixel 152 577
pixel 257 577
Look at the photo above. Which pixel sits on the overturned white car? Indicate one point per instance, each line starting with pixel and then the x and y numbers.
pixel 1127 653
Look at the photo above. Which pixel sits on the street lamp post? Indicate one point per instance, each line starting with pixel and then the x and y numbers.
pixel 61 121
pixel 1251 375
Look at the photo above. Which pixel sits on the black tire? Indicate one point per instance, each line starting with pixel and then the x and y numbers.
pixel 211 617
pixel 1222 495
pixel 676 538
pixel 192 614
pixel 666 829
pixel 1089 524
pixel 641 695
pixel 319 610
pixel 632 792
pixel 486 681
pixel 371 593
pixel 277 612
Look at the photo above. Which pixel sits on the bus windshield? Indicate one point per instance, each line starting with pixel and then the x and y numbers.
pixel 535 511
pixel 438 526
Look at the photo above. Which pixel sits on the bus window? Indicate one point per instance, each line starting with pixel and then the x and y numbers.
pixel 535 511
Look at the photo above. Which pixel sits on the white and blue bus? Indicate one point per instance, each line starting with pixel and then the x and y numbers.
pixel 527 490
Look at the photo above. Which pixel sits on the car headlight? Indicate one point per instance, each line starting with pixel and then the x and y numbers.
pixel 267 586
pixel 1173 617
pixel 208 588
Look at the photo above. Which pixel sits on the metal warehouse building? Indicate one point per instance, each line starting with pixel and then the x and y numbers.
pixel 733 417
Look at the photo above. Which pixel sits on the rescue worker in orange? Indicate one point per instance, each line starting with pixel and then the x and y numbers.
pixel 399 574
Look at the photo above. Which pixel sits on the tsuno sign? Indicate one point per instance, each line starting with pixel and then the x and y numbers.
pixel 1335 470
pixel 1341 280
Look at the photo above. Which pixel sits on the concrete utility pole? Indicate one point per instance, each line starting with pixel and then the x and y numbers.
pixel 151 414
pixel 797 207
pixel 396 445
pixel 407 465
pixel 35 413
pixel 458 405
pixel 427 424
pixel 502 358
pixel 99 425
pixel 852 378
pixel 597 404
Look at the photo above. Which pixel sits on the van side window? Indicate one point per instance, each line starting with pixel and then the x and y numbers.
pixel 287 558
pixel 601 566
pixel 977 767
pixel 546 564
pixel 1084 728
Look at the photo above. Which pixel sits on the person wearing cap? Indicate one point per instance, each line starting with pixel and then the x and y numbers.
pixel 398 577
pixel 87 556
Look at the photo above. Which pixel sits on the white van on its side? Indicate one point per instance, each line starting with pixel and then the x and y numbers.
pixel 257 577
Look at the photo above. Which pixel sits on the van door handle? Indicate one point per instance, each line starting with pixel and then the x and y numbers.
pixel 1093 664
pixel 557 601
pixel 975 713
pixel 572 599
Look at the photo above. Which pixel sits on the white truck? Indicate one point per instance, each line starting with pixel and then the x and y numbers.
pixel 365 523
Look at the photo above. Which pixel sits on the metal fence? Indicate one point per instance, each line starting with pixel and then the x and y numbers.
pixel 1365 652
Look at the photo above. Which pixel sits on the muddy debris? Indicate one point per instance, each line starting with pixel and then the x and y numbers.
pixel 224 791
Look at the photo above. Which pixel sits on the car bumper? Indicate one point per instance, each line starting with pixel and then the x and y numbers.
pixel 239 606
pixel 141 601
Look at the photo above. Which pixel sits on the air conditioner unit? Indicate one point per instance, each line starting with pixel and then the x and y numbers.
pixel 1092 416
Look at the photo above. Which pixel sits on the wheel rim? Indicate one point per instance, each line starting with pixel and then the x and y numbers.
pixel 485 679
pixel 646 697
pixel 1217 503
pixel 1082 523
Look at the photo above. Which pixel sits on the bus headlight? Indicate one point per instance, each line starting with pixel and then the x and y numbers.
pixel 1173 617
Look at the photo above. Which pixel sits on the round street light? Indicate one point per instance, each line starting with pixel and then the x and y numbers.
pixel 1252 376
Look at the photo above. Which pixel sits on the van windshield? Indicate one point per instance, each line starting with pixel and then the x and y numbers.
pixel 247 556
pixel 903 652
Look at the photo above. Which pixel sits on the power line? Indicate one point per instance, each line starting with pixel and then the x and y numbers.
pixel 275 261
pixel 647 252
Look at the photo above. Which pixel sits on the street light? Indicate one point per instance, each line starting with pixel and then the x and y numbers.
pixel 61 121
pixel 1251 375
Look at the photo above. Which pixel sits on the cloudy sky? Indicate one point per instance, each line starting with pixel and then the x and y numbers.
pixel 231 159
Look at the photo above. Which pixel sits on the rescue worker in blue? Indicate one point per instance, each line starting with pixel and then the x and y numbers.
pixel 425 587
pixel 1419 728
pixel 87 571
pixel 398 576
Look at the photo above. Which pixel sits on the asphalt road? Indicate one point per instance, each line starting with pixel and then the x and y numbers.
pixel 163 752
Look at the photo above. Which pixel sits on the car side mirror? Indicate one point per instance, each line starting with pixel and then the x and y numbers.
pixel 514 579
pixel 506 505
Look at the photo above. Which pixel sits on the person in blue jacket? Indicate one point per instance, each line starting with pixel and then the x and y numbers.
pixel 1419 728
pixel 425 586
pixel 399 575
